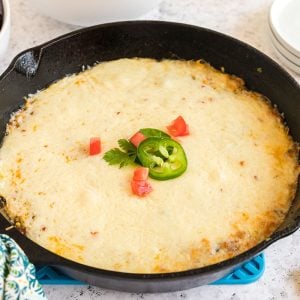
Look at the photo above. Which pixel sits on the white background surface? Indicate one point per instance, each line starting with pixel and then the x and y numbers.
pixel 245 20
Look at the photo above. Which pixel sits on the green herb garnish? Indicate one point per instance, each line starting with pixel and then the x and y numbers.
pixel 126 154
pixel 122 157
pixel 152 132
pixel 127 146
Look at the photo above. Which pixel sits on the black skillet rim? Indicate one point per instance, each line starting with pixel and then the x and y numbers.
pixel 236 260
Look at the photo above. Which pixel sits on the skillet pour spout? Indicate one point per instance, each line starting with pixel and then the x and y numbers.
pixel 38 67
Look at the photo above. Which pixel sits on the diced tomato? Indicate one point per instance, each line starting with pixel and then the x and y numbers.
pixel 137 138
pixel 141 174
pixel 95 146
pixel 139 184
pixel 141 187
pixel 178 127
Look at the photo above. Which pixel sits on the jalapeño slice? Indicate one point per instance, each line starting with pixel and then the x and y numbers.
pixel 164 157
pixel 152 132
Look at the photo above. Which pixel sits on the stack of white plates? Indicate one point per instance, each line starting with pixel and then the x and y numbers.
pixel 284 25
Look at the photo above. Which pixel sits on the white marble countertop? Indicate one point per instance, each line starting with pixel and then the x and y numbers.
pixel 245 20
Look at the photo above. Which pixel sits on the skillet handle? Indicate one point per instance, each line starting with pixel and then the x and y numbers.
pixel 28 62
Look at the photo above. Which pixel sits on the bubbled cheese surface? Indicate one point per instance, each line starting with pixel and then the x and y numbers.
pixel 241 175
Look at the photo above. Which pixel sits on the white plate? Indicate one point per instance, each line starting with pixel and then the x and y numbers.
pixel 5 29
pixel 285 52
pixel 284 20
pixel 285 60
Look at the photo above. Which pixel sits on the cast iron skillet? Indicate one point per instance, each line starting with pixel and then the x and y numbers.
pixel 36 68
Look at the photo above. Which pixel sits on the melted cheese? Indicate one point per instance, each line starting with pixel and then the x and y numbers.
pixel 241 176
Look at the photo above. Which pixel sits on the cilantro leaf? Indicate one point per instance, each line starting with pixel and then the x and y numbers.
pixel 127 153
pixel 152 132
pixel 117 157
pixel 123 158
pixel 126 146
